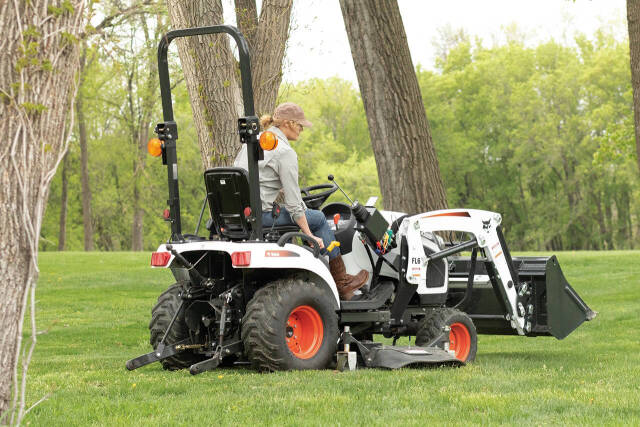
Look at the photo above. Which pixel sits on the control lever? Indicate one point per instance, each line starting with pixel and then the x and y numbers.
pixel 336 220
pixel 330 178
pixel 331 247
pixel 275 213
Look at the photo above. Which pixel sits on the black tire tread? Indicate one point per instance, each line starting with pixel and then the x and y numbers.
pixel 261 340
pixel 431 326
pixel 161 315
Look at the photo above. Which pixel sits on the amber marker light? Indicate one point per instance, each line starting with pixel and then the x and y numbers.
pixel 154 147
pixel 268 141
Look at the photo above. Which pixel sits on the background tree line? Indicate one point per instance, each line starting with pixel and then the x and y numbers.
pixel 542 134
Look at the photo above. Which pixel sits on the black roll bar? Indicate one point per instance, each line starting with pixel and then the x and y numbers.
pixel 249 122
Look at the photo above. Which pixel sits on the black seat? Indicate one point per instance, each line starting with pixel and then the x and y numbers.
pixel 228 198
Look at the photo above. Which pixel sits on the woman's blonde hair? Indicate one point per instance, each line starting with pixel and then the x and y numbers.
pixel 266 121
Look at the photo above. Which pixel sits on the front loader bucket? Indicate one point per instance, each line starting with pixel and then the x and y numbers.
pixel 565 309
pixel 557 309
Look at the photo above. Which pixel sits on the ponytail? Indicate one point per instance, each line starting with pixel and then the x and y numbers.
pixel 266 121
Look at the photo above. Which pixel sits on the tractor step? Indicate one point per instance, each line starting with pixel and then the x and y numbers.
pixel 371 300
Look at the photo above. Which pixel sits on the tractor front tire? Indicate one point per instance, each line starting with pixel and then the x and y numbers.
pixel 290 324
pixel 161 315
pixel 463 337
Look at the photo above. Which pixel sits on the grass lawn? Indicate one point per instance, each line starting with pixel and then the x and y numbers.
pixel 94 308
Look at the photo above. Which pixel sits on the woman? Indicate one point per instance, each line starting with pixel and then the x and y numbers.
pixel 279 173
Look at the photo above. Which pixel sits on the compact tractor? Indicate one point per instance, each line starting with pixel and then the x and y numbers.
pixel 247 294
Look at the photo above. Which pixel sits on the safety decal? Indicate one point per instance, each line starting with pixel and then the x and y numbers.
pixel 280 254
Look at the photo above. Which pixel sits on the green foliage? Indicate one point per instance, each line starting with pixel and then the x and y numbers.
pixel 543 135
pixel 67 39
pixel 338 142
pixel 32 108
pixel 93 310
pixel 65 7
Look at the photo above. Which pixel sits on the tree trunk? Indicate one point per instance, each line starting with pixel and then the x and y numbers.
pixel 137 240
pixel 147 95
pixel 37 89
pixel 267 39
pixel 84 160
pixel 400 136
pixel 633 20
pixel 211 72
pixel 62 234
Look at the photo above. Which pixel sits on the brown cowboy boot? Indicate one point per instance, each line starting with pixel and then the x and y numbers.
pixel 346 283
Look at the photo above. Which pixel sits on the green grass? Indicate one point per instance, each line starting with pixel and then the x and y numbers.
pixel 94 309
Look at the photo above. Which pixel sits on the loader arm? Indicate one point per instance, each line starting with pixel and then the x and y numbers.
pixel 485 227
pixel 534 299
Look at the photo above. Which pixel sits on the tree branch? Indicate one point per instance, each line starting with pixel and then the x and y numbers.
pixel 118 17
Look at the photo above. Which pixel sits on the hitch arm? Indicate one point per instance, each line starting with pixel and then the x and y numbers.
pixel 162 351
pixel 155 356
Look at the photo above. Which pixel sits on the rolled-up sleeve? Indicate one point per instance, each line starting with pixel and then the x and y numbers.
pixel 288 172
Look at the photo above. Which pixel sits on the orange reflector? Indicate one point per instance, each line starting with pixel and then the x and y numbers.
pixel 154 147
pixel 166 213
pixel 160 259
pixel 241 259
pixel 247 212
pixel 268 141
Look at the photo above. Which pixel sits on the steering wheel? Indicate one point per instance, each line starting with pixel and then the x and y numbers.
pixel 314 201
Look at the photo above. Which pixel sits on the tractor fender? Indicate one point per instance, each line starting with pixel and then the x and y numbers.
pixel 264 255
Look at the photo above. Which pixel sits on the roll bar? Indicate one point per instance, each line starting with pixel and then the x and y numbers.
pixel 248 126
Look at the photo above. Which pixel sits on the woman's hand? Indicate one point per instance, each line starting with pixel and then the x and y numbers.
pixel 319 240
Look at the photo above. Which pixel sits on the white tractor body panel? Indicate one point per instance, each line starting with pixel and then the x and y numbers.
pixel 264 256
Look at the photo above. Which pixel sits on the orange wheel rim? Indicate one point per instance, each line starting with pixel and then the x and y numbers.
pixel 460 341
pixel 304 332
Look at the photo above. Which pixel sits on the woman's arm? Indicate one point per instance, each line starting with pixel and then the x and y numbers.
pixel 288 172
pixel 304 226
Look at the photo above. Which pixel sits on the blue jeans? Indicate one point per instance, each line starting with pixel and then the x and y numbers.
pixel 317 224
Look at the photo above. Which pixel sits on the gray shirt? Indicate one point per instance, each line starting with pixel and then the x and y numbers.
pixel 278 171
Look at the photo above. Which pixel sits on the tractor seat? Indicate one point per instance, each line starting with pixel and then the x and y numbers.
pixel 228 199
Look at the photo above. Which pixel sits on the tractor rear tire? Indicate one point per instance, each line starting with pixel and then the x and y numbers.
pixel 161 315
pixel 463 337
pixel 290 324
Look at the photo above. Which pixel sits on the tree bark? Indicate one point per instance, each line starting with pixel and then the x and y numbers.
pixel 38 80
pixel 267 39
pixel 633 21
pixel 406 159
pixel 211 72
pixel 87 218
pixel 64 196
